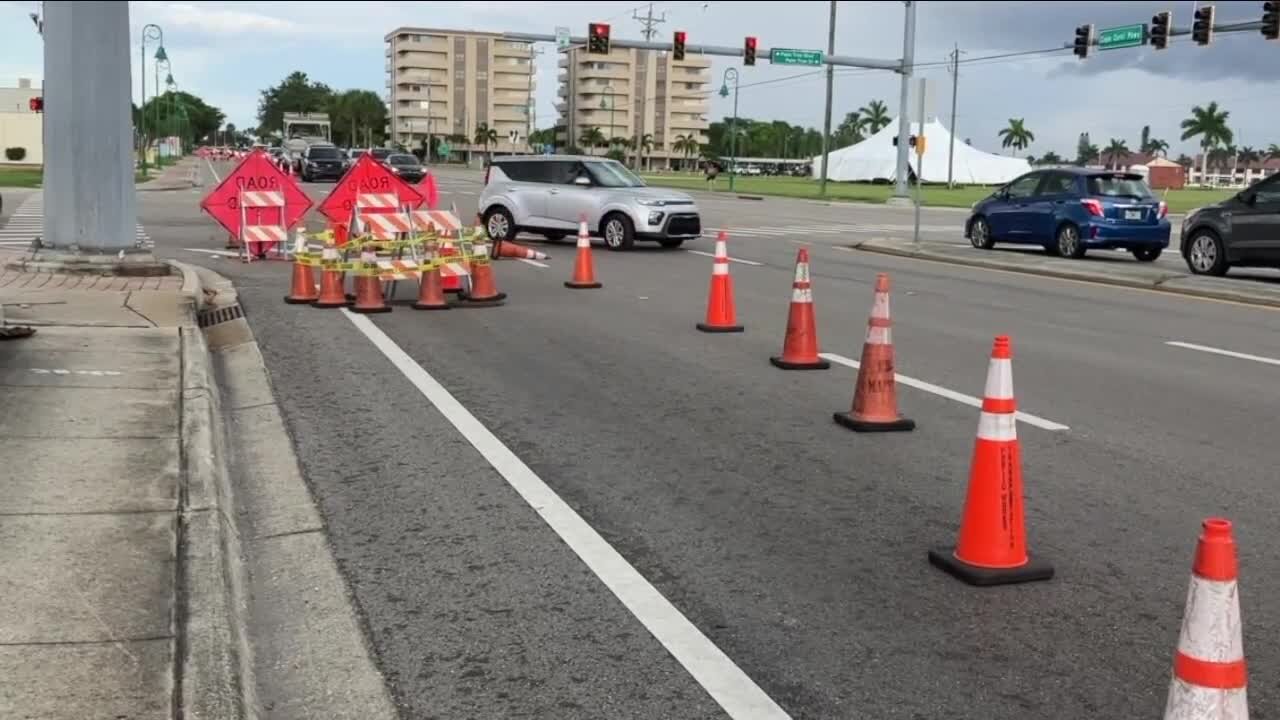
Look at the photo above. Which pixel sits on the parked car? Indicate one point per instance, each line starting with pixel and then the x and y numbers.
pixel 407 167
pixel 354 154
pixel 1243 230
pixel 1072 210
pixel 380 153
pixel 322 162
pixel 547 194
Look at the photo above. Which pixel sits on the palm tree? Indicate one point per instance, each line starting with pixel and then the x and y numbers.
pixel 1211 126
pixel 850 130
pixel 1156 146
pixel 485 136
pixel 1016 135
pixel 591 138
pixel 1247 157
pixel 644 147
pixel 686 145
pixel 875 115
pixel 1273 151
pixel 1144 144
pixel 1116 151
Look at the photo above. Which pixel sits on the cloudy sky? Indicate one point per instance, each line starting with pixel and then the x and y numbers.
pixel 227 51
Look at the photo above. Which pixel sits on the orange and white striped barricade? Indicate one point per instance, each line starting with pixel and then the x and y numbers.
pixel 254 233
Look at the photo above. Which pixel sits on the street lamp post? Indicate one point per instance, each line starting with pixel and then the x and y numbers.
pixel 612 104
pixel 150 31
pixel 731 74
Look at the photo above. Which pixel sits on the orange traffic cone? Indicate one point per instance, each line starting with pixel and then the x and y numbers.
pixel 1209 675
pixel 800 346
pixel 584 269
pixel 722 317
pixel 303 288
pixel 992 547
pixel 875 394
pixel 452 284
pixel 508 249
pixel 368 287
pixel 483 293
pixel 332 280
pixel 431 290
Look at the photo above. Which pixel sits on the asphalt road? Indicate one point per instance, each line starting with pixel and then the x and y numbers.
pixel 796 547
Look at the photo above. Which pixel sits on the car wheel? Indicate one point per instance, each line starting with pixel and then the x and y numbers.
pixel 499 224
pixel 1146 254
pixel 980 234
pixel 1206 254
pixel 1068 242
pixel 618 232
pixel 671 243
pixel 554 236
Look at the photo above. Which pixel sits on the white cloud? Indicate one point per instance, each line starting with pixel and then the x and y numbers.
pixel 208 18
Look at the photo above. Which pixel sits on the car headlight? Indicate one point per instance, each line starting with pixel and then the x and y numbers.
pixel 652 203
pixel 655 218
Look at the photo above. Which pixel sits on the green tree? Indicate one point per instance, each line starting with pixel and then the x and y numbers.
pixel 296 93
pixel 1145 141
pixel 590 138
pixel 359 118
pixel 1273 151
pixel 1156 146
pixel 849 132
pixel 1248 155
pixel 643 148
pixel 1050 158
pixel 1210 124
pixel 875 116
pixel 1117 150
pixel 486 136
pixel 181 114
pixel 1016 136
pixel 1086 152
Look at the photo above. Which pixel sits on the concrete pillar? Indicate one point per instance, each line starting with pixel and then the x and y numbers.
pixel 89 203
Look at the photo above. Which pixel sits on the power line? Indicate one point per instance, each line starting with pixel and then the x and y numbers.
pixel 649 22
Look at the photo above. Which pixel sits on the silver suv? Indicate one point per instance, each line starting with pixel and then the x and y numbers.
pixel 549 194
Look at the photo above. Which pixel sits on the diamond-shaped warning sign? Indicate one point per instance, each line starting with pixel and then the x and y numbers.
pixel 256 174
pixel 368 177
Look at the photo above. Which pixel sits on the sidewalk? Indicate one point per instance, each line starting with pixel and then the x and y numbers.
pixel 91 433
pixel 179 176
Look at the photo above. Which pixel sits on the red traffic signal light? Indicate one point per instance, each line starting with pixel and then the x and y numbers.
pixel 598 38
pixel 677 45
pixel 36 104
pixel 749 51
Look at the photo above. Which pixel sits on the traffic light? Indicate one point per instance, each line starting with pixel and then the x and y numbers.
pixel 1202 27
pixel 1271 19
pixel 598 38
pixel 1160 25
pixel 749 51
pixel 677 45
pixel 36 104
pixel 1084 38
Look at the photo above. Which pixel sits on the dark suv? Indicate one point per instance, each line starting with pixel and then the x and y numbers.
pixel 1242 230
pixel 323 162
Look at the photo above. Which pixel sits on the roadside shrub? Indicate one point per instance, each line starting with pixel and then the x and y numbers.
pixel 15 154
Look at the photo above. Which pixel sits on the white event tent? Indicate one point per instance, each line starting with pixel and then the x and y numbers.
pixel 876 158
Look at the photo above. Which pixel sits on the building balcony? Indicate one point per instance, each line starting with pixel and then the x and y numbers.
pixel 618 72
pixel 678 90
pixel 506 113
pixel 426 43
pixel 429 61
pixel 510 81
pixel 510 48
pixel 688 123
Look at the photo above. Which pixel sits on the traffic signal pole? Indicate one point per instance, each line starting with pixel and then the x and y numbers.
pixel 826 123
pixel 904 116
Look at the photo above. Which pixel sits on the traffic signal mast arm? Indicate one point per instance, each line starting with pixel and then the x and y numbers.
pixel 1251 25
pixel 721 50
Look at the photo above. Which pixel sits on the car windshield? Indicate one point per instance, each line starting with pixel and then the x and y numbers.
pixel 323 153
pixel 402 160
pixel 611 173
pixel 380 153
pixel 356 153
pixel 1130 186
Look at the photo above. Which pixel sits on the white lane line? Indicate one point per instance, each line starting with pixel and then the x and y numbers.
pixel 213 172
pixel 727 684
pixel 732 259
pixel 534 263
pixel 1220 351
pixel 15 242
pixel 950 394
pixel 221 253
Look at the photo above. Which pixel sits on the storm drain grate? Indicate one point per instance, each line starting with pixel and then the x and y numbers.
pixel 217 316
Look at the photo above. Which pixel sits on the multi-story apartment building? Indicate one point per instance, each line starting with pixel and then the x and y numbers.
pixel 446 83
pixel 633 94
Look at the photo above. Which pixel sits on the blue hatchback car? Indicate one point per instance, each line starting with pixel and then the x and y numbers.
pixel 1070 210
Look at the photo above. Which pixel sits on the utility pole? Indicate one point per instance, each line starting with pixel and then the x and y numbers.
pixel 89 202
pixel 955 84
pixel 826 123
pixel 904 112
pixel 529 124
pixel 649 22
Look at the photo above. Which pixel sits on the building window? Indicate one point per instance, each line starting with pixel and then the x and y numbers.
pixel 482 75
pixel 459 74
pixel 415 88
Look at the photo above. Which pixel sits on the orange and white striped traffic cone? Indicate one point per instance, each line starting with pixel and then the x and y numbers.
pixel 800 345
pixel 302 289
pixel 584 269
pixel 992 547
pixel 1209 675
pixel 875 393
pixel 369 298
pixel 509 249
pixel 722 316
pixel 332 280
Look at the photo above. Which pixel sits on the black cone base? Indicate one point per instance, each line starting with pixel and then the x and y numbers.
pixel 491 301
pixel 899 425
pixel 945 559
pixel 423 306
pixel 371 311
pixel 299 301
pixel 319 304
pixel 720 328
pixel 818 364
pixel 582 286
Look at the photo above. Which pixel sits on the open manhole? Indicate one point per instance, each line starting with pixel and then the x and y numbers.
pixel 219 315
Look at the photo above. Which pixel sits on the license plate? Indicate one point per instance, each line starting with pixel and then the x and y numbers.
pixel 1132 214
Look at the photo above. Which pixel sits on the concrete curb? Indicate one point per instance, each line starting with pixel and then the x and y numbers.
pixel 1155 285
pixel 192 289
pixel 215 666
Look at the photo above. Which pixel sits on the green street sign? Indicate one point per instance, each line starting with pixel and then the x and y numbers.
pixel 445 148
pixel 784 56
pixel 1125 36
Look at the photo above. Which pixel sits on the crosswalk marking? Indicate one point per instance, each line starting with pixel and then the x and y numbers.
pixel 27 223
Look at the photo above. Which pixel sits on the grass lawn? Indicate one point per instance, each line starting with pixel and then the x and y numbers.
pixel 30 177
pixel 1179 200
